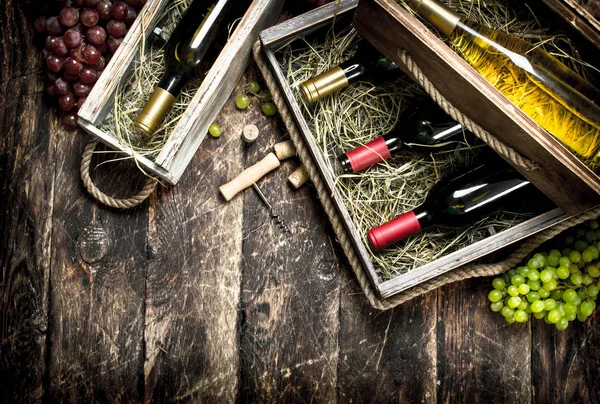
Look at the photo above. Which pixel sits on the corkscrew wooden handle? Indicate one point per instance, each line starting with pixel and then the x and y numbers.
pixel 249 176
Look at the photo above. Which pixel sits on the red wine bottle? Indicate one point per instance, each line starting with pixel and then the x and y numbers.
pixel 419 134
pixel 456 202
pixel 366 62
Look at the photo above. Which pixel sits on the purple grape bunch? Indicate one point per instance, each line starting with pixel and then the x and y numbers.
pixel 79 41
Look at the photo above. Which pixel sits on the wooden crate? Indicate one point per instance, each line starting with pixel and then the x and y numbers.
pixel 466 90
pixel 215 89
pixel 272 39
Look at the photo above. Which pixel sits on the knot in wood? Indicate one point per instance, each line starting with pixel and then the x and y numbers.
pixel 94 244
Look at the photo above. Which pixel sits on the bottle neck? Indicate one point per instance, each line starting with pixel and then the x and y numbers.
pixel 173 82
pixel 425 216
pixel 419 133
pixel 436 14
pixel 353 70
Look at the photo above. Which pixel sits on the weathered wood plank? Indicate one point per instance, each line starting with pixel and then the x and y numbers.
pixel 290 289
pixel 481 358
pixel 17 47
pixel 194 277
pixel 26 193
pixel 578 17
pixel 565 363
pixel 386 356
pixel 97 284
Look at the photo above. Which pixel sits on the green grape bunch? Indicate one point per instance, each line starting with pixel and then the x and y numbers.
pixel 559 286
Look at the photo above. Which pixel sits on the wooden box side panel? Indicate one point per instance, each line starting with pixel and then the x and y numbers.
pixel 466 90
pixel 578 17
pixel 305 24
pixel 216 88
pixel 472 252
pixel 100 100
pixel 112 142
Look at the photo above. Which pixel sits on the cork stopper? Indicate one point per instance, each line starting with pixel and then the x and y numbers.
pixel 284 150
pixel 250 133
pixel 299 177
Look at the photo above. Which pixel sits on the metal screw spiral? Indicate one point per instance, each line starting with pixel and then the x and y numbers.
pixel 280 222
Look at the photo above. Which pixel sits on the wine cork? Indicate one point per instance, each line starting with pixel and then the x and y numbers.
pixel 299 177
pixel 284 150
pixel 250 133
pixel 249 176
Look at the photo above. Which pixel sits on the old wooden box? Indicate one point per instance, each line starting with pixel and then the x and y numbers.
pixel 216 87
pixel 272 40
pixel 398 31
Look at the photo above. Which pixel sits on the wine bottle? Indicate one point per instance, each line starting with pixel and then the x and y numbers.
pixel 365 61
pixel 184 54
pixel 456 202
pixel 419 134
pixel 558 99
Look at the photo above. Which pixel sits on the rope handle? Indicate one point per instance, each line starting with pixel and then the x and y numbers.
pixel 101 196
pixel 498 146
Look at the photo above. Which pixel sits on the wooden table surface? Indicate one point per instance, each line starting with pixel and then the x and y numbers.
pixel 188 298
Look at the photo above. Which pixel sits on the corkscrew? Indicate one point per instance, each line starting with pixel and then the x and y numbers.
pixel 274 215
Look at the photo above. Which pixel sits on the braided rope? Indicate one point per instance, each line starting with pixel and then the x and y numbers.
pixel 458 274
pixel 101 196
pixel 498 146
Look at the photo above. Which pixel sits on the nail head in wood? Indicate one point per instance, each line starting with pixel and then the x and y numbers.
pixel 284 150
pixel 250 133
pixel 249 176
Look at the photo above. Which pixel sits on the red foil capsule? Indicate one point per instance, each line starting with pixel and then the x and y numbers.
pixel 369 154
pixel 394 230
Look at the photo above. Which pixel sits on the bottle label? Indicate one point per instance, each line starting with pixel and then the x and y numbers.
pixel 394 230
pixel 369 154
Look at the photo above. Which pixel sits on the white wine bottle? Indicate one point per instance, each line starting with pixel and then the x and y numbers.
pixel 184 54
pixel 555 97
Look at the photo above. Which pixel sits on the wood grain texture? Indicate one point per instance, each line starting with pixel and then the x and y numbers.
pixel 481 358
pixel 288 279
pixel 194 277
pixel 470 93
pixel 386 356
pixel 26 193
pixel 17 46
pixel 565 363
pixel 97 285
